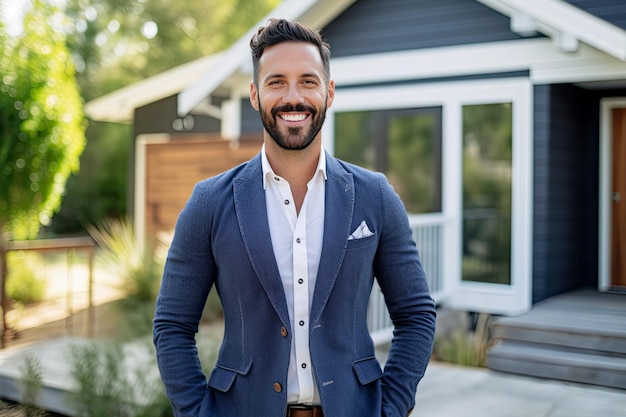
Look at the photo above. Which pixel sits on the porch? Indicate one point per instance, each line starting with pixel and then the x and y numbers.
pixel 579 336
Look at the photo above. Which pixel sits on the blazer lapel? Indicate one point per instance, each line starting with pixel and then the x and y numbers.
pixel 251 210
pixel 339 209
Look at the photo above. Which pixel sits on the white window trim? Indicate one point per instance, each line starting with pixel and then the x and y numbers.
pixel 139 202
pixel 483 297
pixel 606 198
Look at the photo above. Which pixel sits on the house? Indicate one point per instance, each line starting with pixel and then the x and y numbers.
pixel 501 124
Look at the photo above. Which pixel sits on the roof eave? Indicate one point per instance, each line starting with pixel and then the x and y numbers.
pixel 119 106
pixel 564 23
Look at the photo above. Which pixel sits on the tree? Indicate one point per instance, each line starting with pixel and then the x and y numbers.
pixel 41 122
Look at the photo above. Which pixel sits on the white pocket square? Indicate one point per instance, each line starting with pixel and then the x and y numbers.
pixel 361 232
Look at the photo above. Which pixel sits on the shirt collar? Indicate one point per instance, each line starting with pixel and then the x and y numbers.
pixel 267 169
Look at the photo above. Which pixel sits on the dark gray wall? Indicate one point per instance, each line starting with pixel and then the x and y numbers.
pixel 613 11
pixel 371 26
pixel 250 119
pixel 157 117
pixel 565 227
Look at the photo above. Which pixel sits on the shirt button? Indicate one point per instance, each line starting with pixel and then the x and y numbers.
pixel 277 387
pixel 301 323
pixel 298 240
pixel 276 179
pixel 303 366
pixel 300 281
pixel 283 331
pixel 286 202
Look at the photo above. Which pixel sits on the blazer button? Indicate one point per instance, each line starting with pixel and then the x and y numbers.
pixel 277 387
pixel 283 331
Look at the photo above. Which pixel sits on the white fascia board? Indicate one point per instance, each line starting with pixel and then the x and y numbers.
pixel 538 56
pixel 564 19
pixel 236 61
pixel 586 72
pixel 439 62
pixel 119 106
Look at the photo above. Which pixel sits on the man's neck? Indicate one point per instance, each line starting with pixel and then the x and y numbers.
pixel 296 167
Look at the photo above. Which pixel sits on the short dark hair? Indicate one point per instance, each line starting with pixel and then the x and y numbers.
pixel 281 30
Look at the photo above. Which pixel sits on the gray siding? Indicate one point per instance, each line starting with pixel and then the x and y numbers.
pixel 565 237
pixel 372 26
pixel 613 11
pixel 250 119
pixel 157 117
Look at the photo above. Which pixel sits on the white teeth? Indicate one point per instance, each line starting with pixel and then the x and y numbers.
pixel 293 117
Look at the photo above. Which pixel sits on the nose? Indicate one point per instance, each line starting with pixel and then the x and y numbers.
pixel 293 95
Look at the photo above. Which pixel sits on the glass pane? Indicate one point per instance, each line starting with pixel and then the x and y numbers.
pixel 487 164
pixel 413 160
pixel 354 139
pixel 404 144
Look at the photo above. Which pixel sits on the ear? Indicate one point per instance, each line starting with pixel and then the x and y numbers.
pixel 330 96
pixel 254 96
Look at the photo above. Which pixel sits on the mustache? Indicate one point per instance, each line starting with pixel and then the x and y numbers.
pixel 301 108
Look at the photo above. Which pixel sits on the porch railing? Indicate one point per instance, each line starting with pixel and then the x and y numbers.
pixel 428 234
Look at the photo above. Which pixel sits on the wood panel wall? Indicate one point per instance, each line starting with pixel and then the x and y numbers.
pixel 173 168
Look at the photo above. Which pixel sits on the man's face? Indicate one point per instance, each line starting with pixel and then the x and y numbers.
pixel 292 94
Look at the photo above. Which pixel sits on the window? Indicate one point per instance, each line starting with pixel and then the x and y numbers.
pixel 404 144
pixel 487 192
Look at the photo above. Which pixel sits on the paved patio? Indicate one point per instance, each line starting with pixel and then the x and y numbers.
pixel 446 390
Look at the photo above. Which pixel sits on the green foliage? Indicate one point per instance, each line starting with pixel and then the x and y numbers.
pixel 123 380
pixel 31 381
pixel 117 42
pixel 41 123
pixel 24 285
pixel 101 387
pixel 139 265
pixel 100 190
pixel 464 347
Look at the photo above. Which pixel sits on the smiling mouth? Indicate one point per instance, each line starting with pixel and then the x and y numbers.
pixel 293 117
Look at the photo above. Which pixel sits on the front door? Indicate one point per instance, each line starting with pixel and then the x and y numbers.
pixel 618 210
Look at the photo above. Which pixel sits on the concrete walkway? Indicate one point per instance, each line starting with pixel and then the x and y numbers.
pixel 455 391
pixel 445 391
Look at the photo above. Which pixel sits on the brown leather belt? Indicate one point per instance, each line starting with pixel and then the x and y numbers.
pixel 304 411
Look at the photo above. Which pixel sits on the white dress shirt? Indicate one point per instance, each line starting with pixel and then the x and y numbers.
pixel 297 243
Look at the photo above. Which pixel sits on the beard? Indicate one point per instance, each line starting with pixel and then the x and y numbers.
pixel 296 138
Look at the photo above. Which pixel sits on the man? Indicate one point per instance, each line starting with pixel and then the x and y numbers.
pixel 292 241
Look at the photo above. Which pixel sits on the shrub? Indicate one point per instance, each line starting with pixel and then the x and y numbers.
pixel 31 381
pixel 23 284
pixel 139 265
pixel 464 346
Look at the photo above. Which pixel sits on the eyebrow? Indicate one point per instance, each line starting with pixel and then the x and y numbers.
pixel 305 75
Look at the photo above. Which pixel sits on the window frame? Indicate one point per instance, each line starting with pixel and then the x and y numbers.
pixel 451 96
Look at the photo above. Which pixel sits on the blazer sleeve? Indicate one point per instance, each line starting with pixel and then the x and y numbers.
pixel 187 279
pixel 399 272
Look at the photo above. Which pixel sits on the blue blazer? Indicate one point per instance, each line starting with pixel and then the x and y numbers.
pixel 222 239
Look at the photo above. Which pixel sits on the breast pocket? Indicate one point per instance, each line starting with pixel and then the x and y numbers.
pixel 362 242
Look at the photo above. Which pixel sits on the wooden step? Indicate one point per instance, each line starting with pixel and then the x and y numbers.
pixel 548 361
pixel 574 334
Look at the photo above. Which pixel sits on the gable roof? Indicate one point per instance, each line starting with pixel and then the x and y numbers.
pixel 566 22
pixel 119 106
pixel 613 11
